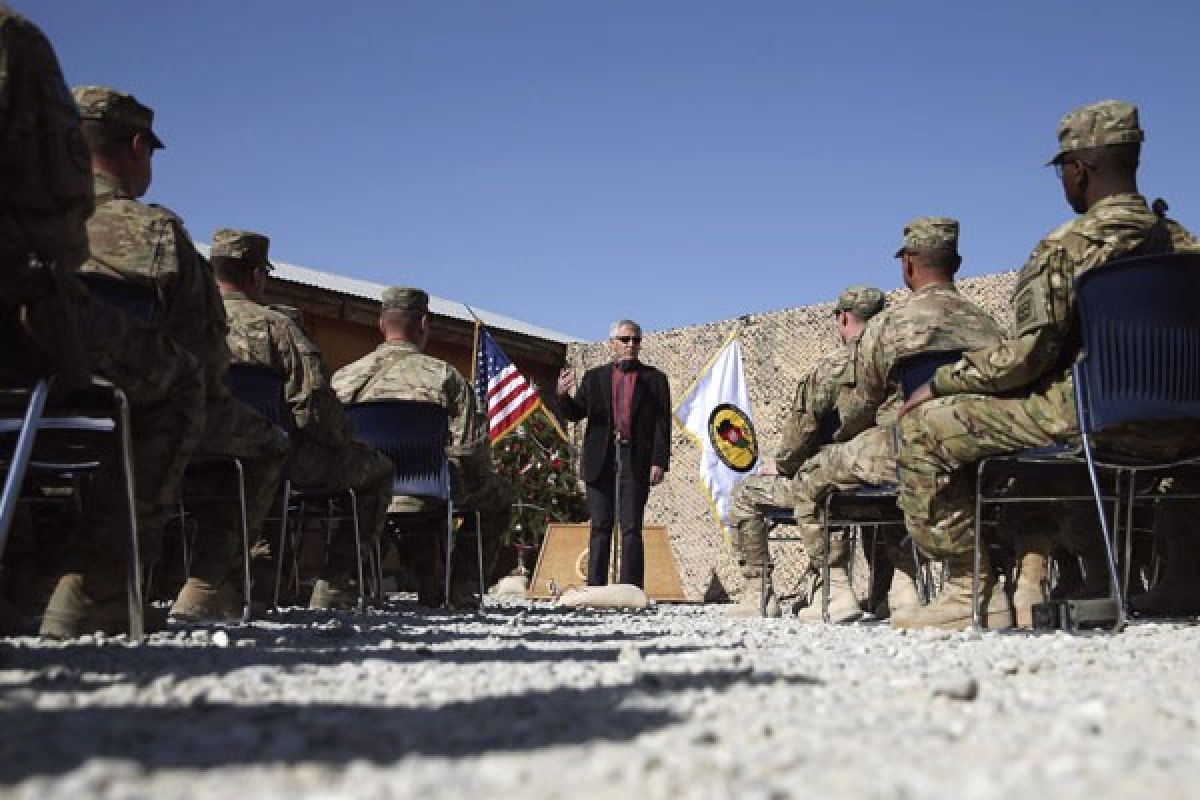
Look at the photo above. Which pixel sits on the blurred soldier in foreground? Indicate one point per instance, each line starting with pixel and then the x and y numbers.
pixel 47 197
pixel 324 452
pixel 1018 393
pixel 934 318
pixel 399 370
pixel 813 420
pixel 147 244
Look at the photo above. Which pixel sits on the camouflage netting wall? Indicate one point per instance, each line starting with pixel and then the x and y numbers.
pixel 778 348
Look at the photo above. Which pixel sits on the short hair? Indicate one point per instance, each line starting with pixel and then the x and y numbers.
pixel 232 270
pixel 624 323
pixel 938 259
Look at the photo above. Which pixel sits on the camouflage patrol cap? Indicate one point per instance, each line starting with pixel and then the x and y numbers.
pixel 404 298
pixel 246 246
pixel 930 233
pixel 863 301
pixel 116 110
pixel 1096 125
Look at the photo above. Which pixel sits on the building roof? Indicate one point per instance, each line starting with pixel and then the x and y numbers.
pixel 438 305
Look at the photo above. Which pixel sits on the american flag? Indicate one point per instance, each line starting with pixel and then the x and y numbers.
pixel 505 393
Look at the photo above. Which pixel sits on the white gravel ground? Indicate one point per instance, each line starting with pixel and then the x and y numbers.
pixel 530 701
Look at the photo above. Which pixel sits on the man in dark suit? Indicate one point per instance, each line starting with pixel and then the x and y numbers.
pixel 628 408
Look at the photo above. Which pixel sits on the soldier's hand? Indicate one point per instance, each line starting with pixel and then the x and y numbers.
pixel 768 467
pixel 566 381
pixel 656 475
pixel 922 394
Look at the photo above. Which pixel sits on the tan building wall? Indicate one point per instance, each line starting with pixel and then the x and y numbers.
pixel 778 348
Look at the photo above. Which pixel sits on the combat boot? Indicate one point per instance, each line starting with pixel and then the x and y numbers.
pixel 1033 557
pixel 750 599
pixel 951 609
pixel 202 601
pixel 1178 592
pixel 72 612
pixel 902 594
pixel 843 605
pixel 335 594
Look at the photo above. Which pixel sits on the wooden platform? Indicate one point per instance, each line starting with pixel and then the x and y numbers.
pixel 564 556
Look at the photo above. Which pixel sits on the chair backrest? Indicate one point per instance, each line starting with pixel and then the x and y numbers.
pixel 1140 331
pixel 261 388
pixel 917 370
pixel 414 436
pixel 136 299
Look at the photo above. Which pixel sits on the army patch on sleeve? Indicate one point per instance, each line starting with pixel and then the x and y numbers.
pixel 732 437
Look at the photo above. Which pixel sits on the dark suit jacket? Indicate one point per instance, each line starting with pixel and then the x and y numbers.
pixel 650 432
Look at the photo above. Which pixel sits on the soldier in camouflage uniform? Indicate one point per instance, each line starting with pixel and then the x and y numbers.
pixel 399 370
pixel 814 409
pixel 1019 393
pixel 148 244
pixel 324 453
pixel 934 318
pixel 46 199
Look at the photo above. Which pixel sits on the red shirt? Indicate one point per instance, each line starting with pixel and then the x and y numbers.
pixel 622 401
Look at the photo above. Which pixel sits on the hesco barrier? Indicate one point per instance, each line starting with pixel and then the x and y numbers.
pixel 778 348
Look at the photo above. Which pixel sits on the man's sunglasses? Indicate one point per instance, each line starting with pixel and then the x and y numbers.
pixel 628 339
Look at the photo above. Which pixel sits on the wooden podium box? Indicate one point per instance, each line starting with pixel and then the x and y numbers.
pixel 564 556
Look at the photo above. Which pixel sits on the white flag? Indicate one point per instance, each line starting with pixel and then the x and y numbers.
pixel 716 412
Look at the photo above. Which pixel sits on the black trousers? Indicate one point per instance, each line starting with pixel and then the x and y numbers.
pixel 601 495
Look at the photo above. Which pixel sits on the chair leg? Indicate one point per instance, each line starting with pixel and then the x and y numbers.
pixel 479 552
pixel 377 559
pixel 358 555
pixel 762 577
pixel 976 622
pixel 20 459
pixel 449 548
pixel 828 539
pixel 133 571
pixel 1109 549
pixel 241 478
pixel 279 551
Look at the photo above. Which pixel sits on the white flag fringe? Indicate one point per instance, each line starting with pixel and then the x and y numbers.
pixel 716 413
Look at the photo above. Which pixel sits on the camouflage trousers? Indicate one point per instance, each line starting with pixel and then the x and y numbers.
pixel 165 391
pixel 353 465
pixel 866 460
pixel 752 496
pixel 232 428
pixel 420 533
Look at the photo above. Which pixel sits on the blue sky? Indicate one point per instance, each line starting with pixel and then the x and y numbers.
pixel 568 162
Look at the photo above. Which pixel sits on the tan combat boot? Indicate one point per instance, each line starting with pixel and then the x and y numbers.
pixel 750 599
pixel 72 612
pixel 337 595
pixel 843 604
pixel 951 609
pixel 202 601
pixel 903 594
pixel 1033 558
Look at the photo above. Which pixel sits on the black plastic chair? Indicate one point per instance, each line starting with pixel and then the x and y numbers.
pixel 415 435
pixel 1139 363
pixel 76 433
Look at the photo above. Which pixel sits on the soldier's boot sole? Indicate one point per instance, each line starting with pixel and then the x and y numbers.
pixel 843 605
pixel 202 601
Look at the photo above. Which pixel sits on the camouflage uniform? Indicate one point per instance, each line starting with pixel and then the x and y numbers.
pixel 1019 393
pixel 934 318
pixel 45 202
pixel 398 370
pixel 148 244
pixel 324 452
pixel 817 399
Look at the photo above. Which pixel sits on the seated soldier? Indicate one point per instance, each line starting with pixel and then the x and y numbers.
pixel 934 318
pixel 399 370
pixel 1018 393
pixel 148 245
pixel 816 400
pixel 324 452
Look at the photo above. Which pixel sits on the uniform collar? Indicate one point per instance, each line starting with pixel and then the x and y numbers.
pixel 107 187
pixel 930 287
pixel 408 347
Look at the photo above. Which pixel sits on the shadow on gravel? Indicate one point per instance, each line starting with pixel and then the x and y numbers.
pixel 50 742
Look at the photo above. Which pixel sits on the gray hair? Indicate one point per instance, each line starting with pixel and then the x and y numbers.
pixel 624 323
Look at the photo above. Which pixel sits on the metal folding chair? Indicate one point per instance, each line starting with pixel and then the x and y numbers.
pixel 1139 363
pixel 77 433
pixel 262 388
pixel 414 436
